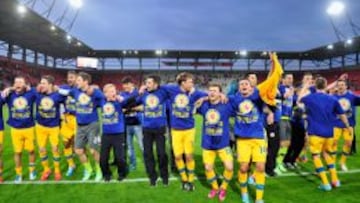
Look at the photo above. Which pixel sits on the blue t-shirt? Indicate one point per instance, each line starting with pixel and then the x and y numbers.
pixel 112 117
pixel 286 103
pixel 182 106
pixel 154 103
pixel 348 102
pixel 215 131
pixel 70 103
pixel 249 120
pixel 21 109
pixel 133 117
pixel 48 109
pixel 86 106
pixel 321 112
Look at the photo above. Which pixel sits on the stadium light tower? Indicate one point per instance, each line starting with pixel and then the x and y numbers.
pixel 335 9
pixel 21 9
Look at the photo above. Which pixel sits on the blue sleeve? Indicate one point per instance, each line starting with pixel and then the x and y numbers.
pixel 199 94
pixel 169 89
pixel 304 99
pixel 201 110
pixel 356 100
pixel 282 90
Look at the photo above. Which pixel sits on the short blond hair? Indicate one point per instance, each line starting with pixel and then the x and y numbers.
pixel 108 86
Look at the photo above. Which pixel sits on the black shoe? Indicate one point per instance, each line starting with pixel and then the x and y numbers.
pixel 113 163
pixel 191 187
pixel 152 183
pixel 174 169
pixel 185 186
pixel 271 174
pixel 121 178
pixel 165 182
pixel 107 179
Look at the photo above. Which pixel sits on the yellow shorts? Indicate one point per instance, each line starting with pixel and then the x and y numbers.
pixel 68 127
pixel 1 137
pixel 251 149
pixel 338 132
pixel 183 141
pixel 44 133
pixel 22 139
pixel 209 156
pixel 320 144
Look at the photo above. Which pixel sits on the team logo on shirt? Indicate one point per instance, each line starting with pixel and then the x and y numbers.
pixel 212 116
pixel 109 109
pixel 20 103
pixel 46 103
pixel 84 99
pixel 152 101
pixel 345 104
pixel 181 100
pixel 246 107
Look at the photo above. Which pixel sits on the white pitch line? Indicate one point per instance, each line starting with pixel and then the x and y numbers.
pixel 137 180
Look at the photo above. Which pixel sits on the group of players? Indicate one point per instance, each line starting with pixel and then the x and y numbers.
pixel 263 117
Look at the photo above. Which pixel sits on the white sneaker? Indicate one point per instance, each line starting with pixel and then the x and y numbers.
pixel 344 167
pixel 32 175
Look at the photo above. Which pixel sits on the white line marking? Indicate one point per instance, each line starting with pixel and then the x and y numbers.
pixel 137 180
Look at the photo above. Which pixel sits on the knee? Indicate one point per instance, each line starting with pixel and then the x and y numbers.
pixel 42 150
pixel 189 157
pixel 79 151
pixel 260 167
pixel 209 167
pixel 244 168
pixel 229 166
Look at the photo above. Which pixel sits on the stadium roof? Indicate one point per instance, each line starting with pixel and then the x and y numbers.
pixel 32 31
pixel 338 49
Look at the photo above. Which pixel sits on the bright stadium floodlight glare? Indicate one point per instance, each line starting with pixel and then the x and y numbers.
pixel 124 52
pixel 330 47
pixel 136 52
pixel 158 52
pixel 243 53
pixel 52 27
pixel 78 44
pixel 76 3
pixel 68 37
pixel 349 41
pixel 335 8
pixel 21 9
pixel 264 53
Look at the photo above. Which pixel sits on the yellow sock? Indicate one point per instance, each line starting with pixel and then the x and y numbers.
pixel 18 171
pixel 243 182
pixel 320 170
pixel 227 178
pixel 331 167
pixel 190 166
pixel 68 152
pixel 181 168
pixel 56 159
pixel 345 154
pixel 260 184
pixel 212 179
pixel 44 161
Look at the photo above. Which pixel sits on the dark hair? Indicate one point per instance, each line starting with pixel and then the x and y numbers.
pixel 50 79
pixel 155 78
pixel 127 80
pixel 250 73
pixel 320 83
pixel 182 77
pixel 71 72
pixel 213 84
pixel 85 76
pixel 286 74
pixel 307 73
pixel 344 81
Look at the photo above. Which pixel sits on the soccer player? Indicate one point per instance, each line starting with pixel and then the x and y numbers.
pixel 348 102
pixel 48 124
pixel 183 97
pixel 154 127
pixel 87 100
pixel 216 139
pixel 21 121
pixel 113 126
pixel 321 112
pixel 132 121
pixel 249 129
pixel 287 94
pixel 68 124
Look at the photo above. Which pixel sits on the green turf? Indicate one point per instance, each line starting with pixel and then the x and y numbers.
pixel 281 189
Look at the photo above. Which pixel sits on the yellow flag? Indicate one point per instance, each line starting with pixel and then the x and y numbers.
pixel 268 88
